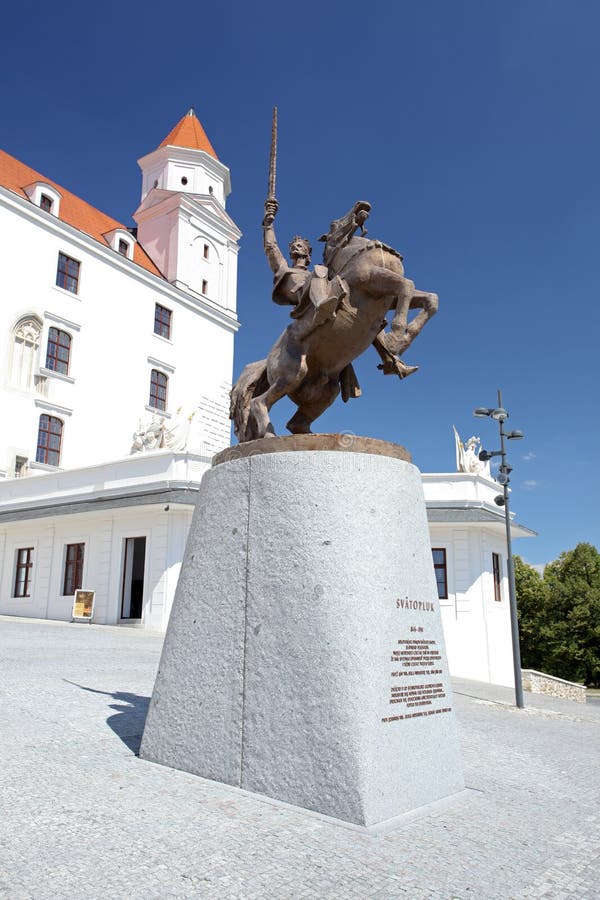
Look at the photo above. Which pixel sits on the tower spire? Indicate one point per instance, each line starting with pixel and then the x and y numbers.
pixel 189 133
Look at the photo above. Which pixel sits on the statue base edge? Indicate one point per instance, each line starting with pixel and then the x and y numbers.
pixel 339 442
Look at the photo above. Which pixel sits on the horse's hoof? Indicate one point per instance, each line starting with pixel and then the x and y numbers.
pixel 405 371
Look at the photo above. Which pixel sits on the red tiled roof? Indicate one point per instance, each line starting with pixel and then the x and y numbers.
pixel 16 176
pixel 189 133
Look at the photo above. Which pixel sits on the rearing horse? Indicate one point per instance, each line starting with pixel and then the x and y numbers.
pixel 312 370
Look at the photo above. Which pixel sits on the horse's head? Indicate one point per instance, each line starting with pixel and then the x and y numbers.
pixel 341 230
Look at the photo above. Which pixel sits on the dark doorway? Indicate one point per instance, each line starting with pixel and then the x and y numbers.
pixel 134 561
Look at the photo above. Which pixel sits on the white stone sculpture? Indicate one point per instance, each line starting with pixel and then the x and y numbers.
pixel 467 456
pixel 156 435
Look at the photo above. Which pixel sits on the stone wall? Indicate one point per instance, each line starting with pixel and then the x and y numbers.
pixel 540 683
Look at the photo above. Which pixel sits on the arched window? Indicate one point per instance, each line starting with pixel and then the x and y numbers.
pixel 59 351
pixel 26 340
pixel 158 389
pixel 49 440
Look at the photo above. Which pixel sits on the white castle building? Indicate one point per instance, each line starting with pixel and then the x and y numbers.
pixel 115 370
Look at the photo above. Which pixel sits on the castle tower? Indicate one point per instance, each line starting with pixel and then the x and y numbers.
pixel 182 223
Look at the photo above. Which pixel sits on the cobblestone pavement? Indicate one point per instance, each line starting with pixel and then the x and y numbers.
pixel 83 817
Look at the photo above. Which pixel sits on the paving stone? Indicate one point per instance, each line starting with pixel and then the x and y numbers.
pixel 83 817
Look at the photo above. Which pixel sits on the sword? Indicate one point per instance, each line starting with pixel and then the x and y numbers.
pixel 273 157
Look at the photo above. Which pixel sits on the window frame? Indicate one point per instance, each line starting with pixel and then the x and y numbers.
pixel 73 568
pixel 159 321
pixel 154 394
pixel 53 360
pixel 46 202
pixel 497 576
pixel 442 566
pixel 27 567
pixel 64 277
pixel 45 449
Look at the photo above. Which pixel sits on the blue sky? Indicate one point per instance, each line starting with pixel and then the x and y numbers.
pixel 471 127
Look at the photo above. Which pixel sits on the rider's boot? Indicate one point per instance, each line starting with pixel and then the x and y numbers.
pixel 327 308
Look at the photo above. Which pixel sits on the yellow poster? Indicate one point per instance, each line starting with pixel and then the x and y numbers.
pixel 83 604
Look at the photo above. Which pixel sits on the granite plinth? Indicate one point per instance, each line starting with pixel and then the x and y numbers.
pixel 304 658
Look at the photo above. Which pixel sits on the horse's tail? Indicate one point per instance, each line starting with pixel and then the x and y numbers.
pixel 252 382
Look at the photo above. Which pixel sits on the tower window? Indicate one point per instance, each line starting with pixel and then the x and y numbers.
pixel 23 572
pixel 73 577
pixel 441 573
pixel 67 273
pixel 206 251
pixel 59 351
pixel 49 440
pixel 158 390
pixel 46 202
pixel 210 189
pixel 162 321
pixel 184 180
pixel 204 286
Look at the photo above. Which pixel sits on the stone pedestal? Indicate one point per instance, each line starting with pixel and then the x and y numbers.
pixel 304 658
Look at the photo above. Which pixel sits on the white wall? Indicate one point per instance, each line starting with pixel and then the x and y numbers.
pixel 476 626
pixel 104 534
pixel 114 347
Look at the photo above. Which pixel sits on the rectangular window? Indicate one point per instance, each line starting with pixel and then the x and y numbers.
pixel 67 273
pixel 206 251
pixel 49 440
pixel 205 287
pixel 23 572
pixel 162 321
pixel 58 351
pixel 73 568
pixel 158 389
pixel 46 203
pixel 123 247
pixel 441 573
pixel 497 572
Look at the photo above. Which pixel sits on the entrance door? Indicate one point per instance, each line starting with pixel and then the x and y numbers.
pixel 134 561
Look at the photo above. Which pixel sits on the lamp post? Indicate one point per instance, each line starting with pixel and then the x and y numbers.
pixel 501 415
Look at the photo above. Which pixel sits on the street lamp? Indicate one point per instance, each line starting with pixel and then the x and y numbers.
pixel 500 415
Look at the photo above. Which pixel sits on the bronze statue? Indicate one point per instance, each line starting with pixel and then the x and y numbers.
pixel 339 310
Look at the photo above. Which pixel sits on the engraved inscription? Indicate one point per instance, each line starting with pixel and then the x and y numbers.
pixel 415 690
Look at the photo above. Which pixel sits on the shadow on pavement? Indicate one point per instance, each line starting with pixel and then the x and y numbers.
pixel 130 717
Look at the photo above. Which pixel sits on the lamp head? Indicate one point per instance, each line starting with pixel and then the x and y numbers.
pixel 515 435
pixel 499 500
pixel 481 412
pixel 500 414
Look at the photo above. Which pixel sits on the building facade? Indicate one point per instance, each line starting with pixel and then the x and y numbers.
pixel 114 381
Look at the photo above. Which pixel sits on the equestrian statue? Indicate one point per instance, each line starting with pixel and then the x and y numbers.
pixel 339 310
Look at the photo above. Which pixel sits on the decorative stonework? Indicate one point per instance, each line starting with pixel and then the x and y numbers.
pixel 157 436
pixel 467 456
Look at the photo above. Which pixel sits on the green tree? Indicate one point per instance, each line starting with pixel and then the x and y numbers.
pixel 572 623
pixel 531 606
pixel 559 615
